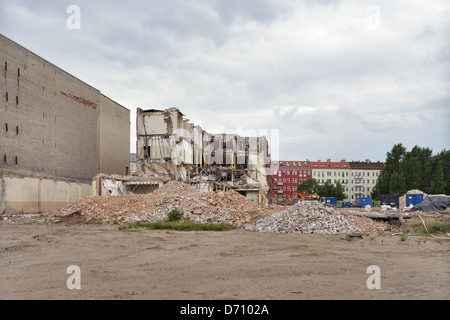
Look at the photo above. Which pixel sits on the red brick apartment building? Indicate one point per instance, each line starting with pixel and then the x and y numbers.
pixel 288 176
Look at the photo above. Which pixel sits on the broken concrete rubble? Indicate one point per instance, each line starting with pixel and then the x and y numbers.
pixel 305 217
pixel 207 207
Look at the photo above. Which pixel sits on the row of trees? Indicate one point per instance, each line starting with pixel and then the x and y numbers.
pixel 404 170
pixel 415 169
pixel 324 190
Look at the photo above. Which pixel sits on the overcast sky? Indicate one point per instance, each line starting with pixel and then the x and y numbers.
pixel 338 79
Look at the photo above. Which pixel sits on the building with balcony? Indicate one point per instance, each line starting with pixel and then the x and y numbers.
pixel 363 178
pixel 332 172
pixel 288 176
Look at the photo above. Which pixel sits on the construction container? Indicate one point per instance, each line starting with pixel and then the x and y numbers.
pixel 339 204
pixel 345 204
pixel 376 204
pixel 362 202
pixel 331 201
pixel 390 200
pixel 413 199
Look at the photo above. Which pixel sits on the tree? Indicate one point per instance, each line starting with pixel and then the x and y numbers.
pixel 438 182
pixel 415 169
pixel 393 161
pixel 308 186
pixel 338 192
pixel 444 158
pixel 397 184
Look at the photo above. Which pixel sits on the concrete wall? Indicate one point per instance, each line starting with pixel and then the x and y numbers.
pixel 53 128
pixel 114 140
pixel 51 117
pixel 34 195
pixel 54 124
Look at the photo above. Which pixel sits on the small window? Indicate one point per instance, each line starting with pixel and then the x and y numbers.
pixel 16 159
pixel 6 127
pixel 6 65
pixel 17 130
pixel 126 169
pixel 4 158
pixel 17 99
pixel 18 72
pixel 7 97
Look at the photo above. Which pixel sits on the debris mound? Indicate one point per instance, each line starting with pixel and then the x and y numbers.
pixel 207 207
pixel 305 217
pixel 368 225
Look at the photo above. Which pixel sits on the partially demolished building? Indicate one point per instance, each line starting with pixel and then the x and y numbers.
pixel 167 143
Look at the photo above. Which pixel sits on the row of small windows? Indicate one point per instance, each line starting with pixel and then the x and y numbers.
pixel 6 69
pixel 5 159
pixel 7 128
pixel 294 173
pixel 353 174
pixel 7 98
pixel 345 181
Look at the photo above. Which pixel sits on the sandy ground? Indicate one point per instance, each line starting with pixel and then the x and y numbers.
pixel 235 264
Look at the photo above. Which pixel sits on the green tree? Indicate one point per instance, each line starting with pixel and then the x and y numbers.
pixel 397 184
pixel 393 161
pixel 308 186
pixel 438 182
pixel 416 169
pixel 444 158
pixel 338 191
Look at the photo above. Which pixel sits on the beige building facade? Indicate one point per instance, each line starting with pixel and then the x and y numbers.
pixel 54 127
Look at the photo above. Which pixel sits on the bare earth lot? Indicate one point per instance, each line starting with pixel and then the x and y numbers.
pixel 236 264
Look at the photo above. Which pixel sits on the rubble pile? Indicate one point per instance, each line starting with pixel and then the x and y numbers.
pixel 208 207
pixel 368 225
pixel 305 217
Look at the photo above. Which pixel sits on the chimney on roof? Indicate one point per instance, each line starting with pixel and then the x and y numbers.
pixel 328 160
pixel 367 160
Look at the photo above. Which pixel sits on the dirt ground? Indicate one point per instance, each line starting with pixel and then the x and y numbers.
pixel 237 264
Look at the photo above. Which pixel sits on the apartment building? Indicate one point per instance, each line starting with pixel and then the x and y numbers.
pixel 332 172
pixel 289 175
pixel 363 178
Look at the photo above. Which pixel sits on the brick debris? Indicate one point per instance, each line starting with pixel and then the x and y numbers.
pixel 206 207
pixel 313 217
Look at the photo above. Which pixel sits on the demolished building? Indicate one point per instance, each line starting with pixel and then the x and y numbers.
pixel 168 144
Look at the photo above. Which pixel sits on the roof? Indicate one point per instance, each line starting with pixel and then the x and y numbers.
pixel 329 165
pixel 366 165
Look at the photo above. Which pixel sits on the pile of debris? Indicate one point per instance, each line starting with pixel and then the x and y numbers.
pixel 368 225
pixel 207 207
pixel 305 217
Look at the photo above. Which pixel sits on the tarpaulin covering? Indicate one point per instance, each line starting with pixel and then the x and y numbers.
pixel 433 203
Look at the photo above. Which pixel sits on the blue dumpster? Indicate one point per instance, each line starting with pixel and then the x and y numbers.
pixel 362 202
pixel 413 199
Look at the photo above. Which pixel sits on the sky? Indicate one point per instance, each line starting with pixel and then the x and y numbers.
pixel 321 79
